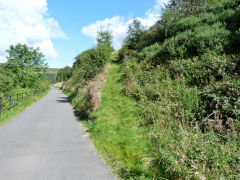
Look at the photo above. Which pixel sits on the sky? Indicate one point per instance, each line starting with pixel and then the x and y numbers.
pixel 62 29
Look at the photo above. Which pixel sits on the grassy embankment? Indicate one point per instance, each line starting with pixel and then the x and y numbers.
pixel 164 150
pixel 116 132
pixel 28 101
pixel 171 108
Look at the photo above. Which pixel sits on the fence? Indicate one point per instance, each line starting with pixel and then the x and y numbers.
pixel 9 101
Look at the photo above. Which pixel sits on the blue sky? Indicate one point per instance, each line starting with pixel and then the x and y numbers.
pixel 64 28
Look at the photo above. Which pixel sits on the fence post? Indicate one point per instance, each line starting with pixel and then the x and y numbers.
pixel 11 98
pixel 10 102
pixel 0 107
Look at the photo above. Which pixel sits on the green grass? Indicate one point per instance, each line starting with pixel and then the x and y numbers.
pixel 144 139
pixel 116 132
pixel 8 115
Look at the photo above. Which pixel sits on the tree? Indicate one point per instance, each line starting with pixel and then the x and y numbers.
pixel 104 38
pixel 27 64
pixel 134 29
pixel 189 7
pixel 64 74
pixel 6 81
pixel 135 35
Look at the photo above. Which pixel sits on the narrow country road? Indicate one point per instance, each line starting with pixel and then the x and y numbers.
pixel 47 143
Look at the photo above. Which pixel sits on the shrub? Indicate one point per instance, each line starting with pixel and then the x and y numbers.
pixel 150 53
pixel 200 71
pixel 210 38
pixel 222 104
pixel 90 63
pixel 82 103
pixel 188 23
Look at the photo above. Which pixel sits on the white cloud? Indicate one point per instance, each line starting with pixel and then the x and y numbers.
pixel 3 59
pixel 119 25
pixel 116 24
pixel 26 21
pixel 161 4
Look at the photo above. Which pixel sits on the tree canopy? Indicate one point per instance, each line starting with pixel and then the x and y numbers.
pixel 24 68
pixel 104 38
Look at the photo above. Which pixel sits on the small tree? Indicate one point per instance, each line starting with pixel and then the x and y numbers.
pixel 135 35
pixel 64 74
pixel 26 63
pixel 104 38
pixel 134 29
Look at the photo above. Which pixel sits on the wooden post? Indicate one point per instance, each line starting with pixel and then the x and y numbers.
pixel 0 107
pixel 10 102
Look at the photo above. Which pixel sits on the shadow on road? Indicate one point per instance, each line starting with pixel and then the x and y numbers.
pixel 63 100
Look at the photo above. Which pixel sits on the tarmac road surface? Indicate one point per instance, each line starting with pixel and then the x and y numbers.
pixel 46 142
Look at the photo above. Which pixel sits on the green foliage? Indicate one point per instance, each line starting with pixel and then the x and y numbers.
pixel 176 95
pixel 25 68
pixel 116 128
pixel 221 100
pixel 6 81
pixel 51 75
pixel 204 39
pixel 64 74
pixel 89 63
pixel 186 154
pixel 87 66
pixel 213 68
pixel 82 103
pixel 188 23
pixel 104 38
pixel 136 35
pixel 186 8
pixel 184 78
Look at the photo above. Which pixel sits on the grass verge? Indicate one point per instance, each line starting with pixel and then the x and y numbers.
pixel 7 115
pixel 116 132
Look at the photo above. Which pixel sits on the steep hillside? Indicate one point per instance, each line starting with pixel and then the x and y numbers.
pixel 171 105
pixel 184 75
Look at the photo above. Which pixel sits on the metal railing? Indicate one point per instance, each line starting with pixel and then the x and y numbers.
pixel 9 101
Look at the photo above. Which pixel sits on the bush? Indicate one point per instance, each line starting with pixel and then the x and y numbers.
pixel 204 70
pixel 82 103
pixel 188 23
pixel 222 104
pixel 186 154
pixel 212 38
pixel 90 63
